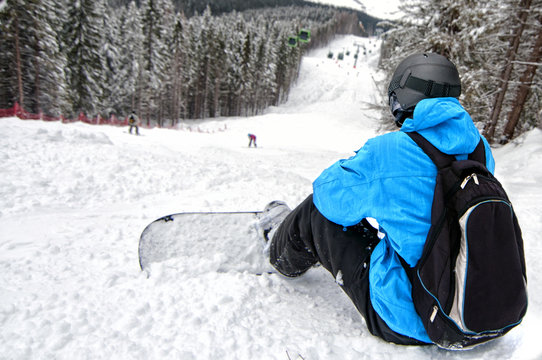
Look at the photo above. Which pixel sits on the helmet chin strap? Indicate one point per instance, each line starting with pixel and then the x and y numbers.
pixel 397 110
pixel 399 121
pixel 401 115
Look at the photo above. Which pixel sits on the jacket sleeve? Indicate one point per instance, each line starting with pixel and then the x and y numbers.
pixel 338 189
pixel 389 179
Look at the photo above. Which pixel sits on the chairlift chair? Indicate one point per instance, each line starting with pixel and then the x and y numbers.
pixel 304 35
pixel 292 41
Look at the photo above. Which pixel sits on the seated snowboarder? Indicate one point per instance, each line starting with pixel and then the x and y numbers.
pixel 389 179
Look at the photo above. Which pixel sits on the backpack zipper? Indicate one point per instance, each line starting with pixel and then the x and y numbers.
pixel 468 178
pixel 434 313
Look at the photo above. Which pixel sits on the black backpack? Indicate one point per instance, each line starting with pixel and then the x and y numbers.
pixel 470 284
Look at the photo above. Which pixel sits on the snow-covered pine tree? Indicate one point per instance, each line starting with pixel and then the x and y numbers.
pixel 176 68
pixel 52 97
pixel 247 86
pixel 7 73
pixel 206 67
pixel 524 113
pixel 16 22
pixel 30 62
pixel 472 34
pixel 130 41
pixel 168 16
pixel 193 59
pixel 111 59
pixel 216 68
pixel 506 71
pixel 234 80
pixel 82 44
pixel 157 19
pixel 259 66
pixel 281 69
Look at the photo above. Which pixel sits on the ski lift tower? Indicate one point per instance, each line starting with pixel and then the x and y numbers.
pixel 356 56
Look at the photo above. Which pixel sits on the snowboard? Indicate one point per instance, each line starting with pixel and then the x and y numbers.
pixel 205 241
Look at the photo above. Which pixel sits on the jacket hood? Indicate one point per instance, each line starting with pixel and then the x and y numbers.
pixel 446 124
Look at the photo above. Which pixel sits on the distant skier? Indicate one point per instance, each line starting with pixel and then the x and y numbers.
pixel 133 121
pixel 252 138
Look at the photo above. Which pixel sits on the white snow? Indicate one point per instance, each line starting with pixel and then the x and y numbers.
pixel 74 199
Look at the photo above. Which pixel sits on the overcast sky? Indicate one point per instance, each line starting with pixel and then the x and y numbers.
pixel 386 9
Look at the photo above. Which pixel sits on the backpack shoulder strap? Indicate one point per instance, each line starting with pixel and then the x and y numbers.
pixel 439 158
pixel 479 153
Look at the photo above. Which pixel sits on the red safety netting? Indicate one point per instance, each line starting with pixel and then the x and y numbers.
pixel 18 111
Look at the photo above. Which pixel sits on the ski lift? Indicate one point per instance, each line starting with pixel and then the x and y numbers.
pixel 304 35
pixel 292 41
pixel 330 55
pixel 341 56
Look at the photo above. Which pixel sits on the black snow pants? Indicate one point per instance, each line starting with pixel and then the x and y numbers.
pixel 306 237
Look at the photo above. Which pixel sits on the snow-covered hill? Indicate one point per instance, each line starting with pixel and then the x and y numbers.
pixel 75 198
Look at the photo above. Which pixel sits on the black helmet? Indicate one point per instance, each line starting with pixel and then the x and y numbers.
pixel 418 77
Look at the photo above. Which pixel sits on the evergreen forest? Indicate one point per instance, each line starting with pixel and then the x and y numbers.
pixel 497 47
pixel 185 59
pixel 70 57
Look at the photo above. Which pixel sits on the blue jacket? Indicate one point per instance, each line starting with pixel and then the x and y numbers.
pixel 391 180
